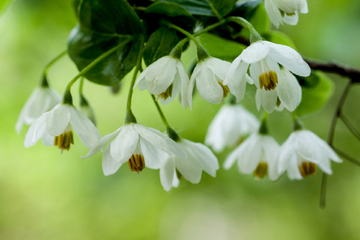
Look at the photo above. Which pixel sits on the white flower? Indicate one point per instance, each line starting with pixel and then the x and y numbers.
pixel 55 126
pixel 136 144
pixel 209 75
pixel 198 158
pixel 302 151
pixel 166 77
pixel 264 58
pixel 287 11
pixel 230 125
pixel 41 100
pixel 257 155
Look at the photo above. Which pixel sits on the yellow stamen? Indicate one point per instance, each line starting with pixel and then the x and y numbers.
pixel 167 93
pixel 278 102
pixel 268 80
pixel 178 174
pixel 307 169
pixel 288 14
pixel 64 140
pixel 136 163
pixel 261 170
pixel 225 88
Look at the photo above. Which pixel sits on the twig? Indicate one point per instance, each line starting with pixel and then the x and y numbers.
pixel 349 158
pixel 350 126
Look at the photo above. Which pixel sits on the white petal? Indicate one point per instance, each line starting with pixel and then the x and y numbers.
pixel 289 58
pixel 232 157
pixel 141 80
pixel 230 76
pixel 101 143
pixel 189 167
pixel 125 143
pixel 219 67
pixel 35 132
pixel 184 79
pixel 206 159
pixel 154 157
pixel 273 13
pixel 47 139
pixel 109 165
pixel 250 157
pixel 160 75
pixel 85 129
pixel 293 169
pixel 288 90
pixel 271 151
pixel 208 86
pixel 238 91
pixel 255 52
pixel 268 99
pixel 153 136
pixel 325 165
pixel 291 20
pixel 258 99
pixel 192 83
pixel 167 173
pixel 324 146
pixel 58 119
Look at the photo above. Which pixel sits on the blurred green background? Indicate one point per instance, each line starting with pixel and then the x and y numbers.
pixel 48 195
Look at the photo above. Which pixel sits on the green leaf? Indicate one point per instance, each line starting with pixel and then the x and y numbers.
pixel 196 7
pixel 222 8
pixel 172 12
pixel 220 47
pixel 279 38
pixel 160 44
pixel 101 27
pixel 316 92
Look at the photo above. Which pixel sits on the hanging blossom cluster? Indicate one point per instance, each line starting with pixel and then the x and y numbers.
pixel 270 67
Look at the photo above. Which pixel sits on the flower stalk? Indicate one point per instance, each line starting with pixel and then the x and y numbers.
pixel 254 35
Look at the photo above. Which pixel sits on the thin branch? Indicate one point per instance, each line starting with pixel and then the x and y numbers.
pixel 350 126
pixel 349 158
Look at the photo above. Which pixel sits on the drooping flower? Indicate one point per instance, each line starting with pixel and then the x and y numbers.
pixel 257 155
pixel 41 100
pixel 230 125
pixel 137 145
pixel 166 77
pixel 209 75
pixel 302 152
pixel 285 11
pixel 56 125
pixel 264 58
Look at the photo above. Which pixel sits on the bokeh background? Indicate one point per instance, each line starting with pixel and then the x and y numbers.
pixel 48 195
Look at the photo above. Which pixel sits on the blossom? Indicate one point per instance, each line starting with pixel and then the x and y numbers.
pixel 41 100
pixel 287 11
pixel 302 151
pixel 264 58
pixel 168 174
pixel 209 75
pixel 137 145
pixel 56 125
pixel 229 126
pixel 166 77
pixel 257 155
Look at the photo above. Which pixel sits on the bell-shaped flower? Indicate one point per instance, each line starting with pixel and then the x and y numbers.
pixel 55 126
pixel 198 158
pixel 285 11
pixel 165 78
pixel 137 145
pixel 257 155
pixel 264 58
pixel 209 75
pixel 230 125
pixel 42 99
pixel 302 152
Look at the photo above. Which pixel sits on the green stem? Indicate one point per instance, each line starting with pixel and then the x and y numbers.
pixel 171 132
pixel 83 101
pixel 67 95
pixel 254 35
pixel 298 125
pixel 211 27
pixel 201 51
pixel 163 118
pixel 263 128
pixel 129 117
pixel 44 81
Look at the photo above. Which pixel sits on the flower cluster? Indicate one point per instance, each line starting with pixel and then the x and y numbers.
pixel 270 67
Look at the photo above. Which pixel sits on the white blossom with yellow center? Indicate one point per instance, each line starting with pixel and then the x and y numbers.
pixel 264 58
pixel 136 144
pixel 257 155
pixel 55 126
pixel 285 11
pixel 302 152
pixel 165 78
